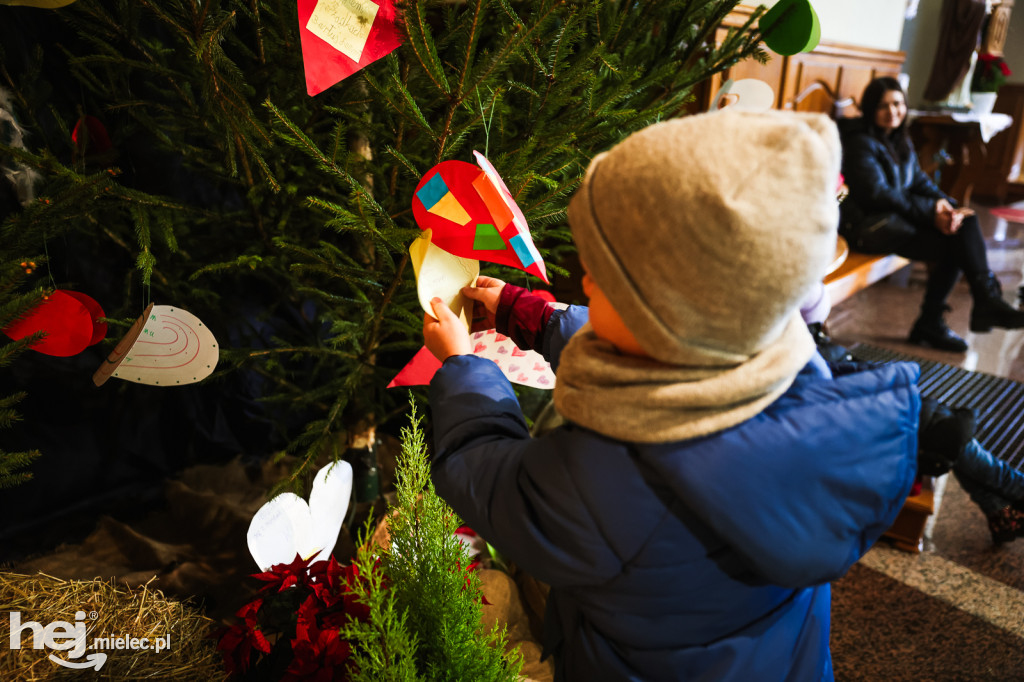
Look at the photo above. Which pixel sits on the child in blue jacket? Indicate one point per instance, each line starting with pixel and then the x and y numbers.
pixel 713 476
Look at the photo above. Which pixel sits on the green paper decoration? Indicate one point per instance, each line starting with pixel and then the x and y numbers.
pixel 791 26
pixel 487 238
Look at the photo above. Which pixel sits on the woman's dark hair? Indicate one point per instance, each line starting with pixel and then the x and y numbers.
pixel 898 141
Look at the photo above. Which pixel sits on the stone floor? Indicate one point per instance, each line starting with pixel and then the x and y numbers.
pixel 956 610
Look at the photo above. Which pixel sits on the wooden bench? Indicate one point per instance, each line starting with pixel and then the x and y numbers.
pixel 907 531
pixel 859 271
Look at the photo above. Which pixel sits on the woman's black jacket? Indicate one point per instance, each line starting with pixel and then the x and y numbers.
pixel 878 183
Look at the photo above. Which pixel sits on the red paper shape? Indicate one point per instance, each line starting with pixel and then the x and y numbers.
pixel 67 321
pixel 325 65
pixel 90 136
pixel 467 185
pixel 99 329
pixel 419 371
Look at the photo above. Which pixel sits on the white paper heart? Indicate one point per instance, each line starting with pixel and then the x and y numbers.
pixel 287 525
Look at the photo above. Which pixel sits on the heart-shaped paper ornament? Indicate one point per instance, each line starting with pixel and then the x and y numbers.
pixel 287 525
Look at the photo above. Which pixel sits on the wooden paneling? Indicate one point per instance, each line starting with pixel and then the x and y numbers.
pixel 811 81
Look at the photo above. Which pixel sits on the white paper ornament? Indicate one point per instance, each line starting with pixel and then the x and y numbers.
pixel 174 348
pixel 746 94
pixel 287 526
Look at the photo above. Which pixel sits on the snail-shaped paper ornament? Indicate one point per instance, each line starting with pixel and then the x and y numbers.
pixel 167 346
pixel 287 525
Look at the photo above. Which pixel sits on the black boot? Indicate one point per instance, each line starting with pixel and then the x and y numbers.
pixel 990 308
pixel 930 330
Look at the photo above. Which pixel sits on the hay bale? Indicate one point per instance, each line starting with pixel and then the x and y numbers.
pixel 116 618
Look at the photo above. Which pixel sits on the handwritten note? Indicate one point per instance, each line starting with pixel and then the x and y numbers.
pixel 345 24
pixel 440 274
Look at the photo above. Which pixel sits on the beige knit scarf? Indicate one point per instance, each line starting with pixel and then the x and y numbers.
pixel 642 400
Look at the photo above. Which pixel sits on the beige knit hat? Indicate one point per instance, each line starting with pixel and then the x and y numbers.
pixel 706 232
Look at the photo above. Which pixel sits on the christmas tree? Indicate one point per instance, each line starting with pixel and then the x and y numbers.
pixel 181 161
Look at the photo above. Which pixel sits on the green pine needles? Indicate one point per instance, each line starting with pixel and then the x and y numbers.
pixel 14 304
pixel 283 220
pixel 425 607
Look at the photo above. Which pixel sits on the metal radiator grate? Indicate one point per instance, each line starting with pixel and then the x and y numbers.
pixel 998 402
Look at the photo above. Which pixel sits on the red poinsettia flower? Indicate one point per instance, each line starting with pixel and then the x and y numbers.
pixel 318 651
pixel 237 642
pixel 990 73
pixel 283 576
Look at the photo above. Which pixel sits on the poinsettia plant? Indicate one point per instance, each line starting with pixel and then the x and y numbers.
pixel 292 629
pixel 407 607
pixel 990 73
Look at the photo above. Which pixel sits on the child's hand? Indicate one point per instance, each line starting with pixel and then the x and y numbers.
pixel 447 335
pixel 485 296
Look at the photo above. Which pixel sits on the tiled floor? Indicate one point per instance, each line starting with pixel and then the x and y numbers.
pixel 955 611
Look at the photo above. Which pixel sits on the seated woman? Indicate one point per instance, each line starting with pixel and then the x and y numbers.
pixel 894 207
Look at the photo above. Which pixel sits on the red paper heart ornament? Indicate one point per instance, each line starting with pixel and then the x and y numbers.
pixel 340 37
pixel 67 318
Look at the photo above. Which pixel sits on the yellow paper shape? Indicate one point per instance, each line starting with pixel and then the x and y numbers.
pixel 345 24
pixel 440 274
pixel 449 208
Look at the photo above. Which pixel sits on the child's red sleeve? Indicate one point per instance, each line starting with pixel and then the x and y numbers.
pixel 522 317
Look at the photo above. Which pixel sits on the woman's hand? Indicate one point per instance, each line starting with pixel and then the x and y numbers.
pixel 947 219
pixel 445 336
pixel 485 296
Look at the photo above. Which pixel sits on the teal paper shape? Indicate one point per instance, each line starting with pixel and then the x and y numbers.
pixel 488 238
pixel 433 191
pixel 522 250
pixel 791 26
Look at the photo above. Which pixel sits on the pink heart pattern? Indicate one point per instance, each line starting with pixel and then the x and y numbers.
pixel 532 370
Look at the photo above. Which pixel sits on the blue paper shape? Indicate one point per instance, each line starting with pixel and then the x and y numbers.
pixel 433 191
pixel 522 250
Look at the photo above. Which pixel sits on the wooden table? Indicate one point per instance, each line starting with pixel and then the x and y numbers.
pixel 951 147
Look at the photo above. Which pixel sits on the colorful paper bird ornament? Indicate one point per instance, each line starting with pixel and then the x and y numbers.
pixel 472 214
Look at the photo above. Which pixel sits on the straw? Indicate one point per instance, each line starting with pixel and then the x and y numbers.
pixel 112 611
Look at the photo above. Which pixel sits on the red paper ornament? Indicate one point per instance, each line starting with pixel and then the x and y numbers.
pixel 471 214
pixel 90 136
pixel 419 371
pixel 325 64
pixel 69 321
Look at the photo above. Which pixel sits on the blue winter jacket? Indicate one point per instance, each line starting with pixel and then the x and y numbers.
pixel 706 559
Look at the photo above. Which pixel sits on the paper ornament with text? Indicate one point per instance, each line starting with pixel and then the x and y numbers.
pixel 340 37
pixel 287 525
pixel 443 275
pixel 167 346
pixel 471 214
